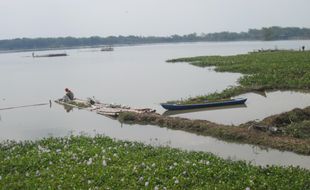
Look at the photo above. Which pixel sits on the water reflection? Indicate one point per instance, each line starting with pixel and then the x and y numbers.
pixel 68 108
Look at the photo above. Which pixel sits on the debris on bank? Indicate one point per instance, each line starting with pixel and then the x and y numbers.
pixel 112 110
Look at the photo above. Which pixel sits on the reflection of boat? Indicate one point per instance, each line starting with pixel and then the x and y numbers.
pixel 107 48
pixel 176 112
pixel 50 55
pixel 260 92
pixel 169 106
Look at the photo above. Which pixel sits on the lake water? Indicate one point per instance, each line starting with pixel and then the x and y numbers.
pixel 137 76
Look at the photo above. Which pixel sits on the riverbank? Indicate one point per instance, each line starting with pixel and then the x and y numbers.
pixel 274 131
pixel 100 162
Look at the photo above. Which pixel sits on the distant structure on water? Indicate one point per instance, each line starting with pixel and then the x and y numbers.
pixel 50 55
pixel 107 48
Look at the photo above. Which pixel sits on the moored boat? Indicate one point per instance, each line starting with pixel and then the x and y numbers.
pixel 174 106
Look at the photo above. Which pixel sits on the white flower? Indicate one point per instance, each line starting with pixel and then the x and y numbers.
pixel 37 172
pixel 104 163
pixel 247 188
pixel 156 188
pixel 42 149
pixel 153 165
pixel 146 184
pixel 58 150
pixel 27 174
pixel 170 167
pixel 90 161
pixel 50 162
pixel 176 181
pixel 206 162
pixel 175 164
pixel 115 155
pixel 141 178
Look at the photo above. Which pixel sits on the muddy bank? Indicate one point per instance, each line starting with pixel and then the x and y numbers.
pixel 266 133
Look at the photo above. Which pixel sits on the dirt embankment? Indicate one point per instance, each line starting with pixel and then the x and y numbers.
pixel 271 132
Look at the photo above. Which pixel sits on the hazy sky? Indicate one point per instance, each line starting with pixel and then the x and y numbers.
pixel 84 18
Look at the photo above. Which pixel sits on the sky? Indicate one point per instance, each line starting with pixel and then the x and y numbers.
pixel 85 18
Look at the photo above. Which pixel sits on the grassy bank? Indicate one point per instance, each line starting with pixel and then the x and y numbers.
pixel 279 70
pixel 102 163
pixel 287 131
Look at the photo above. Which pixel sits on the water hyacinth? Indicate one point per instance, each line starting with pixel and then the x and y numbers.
pixel 89 161
pixel 143 167
pixel 104 163
pixel 146 183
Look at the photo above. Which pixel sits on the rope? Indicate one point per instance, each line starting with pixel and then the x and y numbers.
pixel 24 106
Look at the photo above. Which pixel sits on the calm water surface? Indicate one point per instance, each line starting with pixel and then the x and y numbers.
pixel 137 76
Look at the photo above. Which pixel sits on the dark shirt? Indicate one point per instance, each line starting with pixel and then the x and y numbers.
pixel 70 95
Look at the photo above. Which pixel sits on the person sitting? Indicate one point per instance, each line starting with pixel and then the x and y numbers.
pixel 69 96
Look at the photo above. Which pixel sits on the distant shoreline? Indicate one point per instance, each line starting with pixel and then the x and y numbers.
pixel 123 45
pixel 60 43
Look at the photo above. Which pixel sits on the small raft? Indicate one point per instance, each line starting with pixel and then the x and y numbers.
pixel 111 110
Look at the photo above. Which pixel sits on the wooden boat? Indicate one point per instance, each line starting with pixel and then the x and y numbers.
pixel 235 101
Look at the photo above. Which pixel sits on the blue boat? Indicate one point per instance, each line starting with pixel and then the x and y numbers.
pixel 169 106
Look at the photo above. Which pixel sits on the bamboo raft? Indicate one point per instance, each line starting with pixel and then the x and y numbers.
pixel 111 110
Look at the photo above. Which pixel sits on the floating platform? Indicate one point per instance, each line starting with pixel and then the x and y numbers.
pixel 51 55
pixel 111 110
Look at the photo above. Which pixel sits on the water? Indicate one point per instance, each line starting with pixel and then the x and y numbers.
pixel 137 76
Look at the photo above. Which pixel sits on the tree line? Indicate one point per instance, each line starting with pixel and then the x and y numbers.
pixel 263 34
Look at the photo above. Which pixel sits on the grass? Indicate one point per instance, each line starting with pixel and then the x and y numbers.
pixel 103 163
pixel 279 70
pixel 295 123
